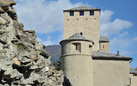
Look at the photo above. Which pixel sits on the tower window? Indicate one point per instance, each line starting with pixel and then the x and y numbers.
pixel 91 12
pixel 90 46
pixel 77 46
pixel 81 13
pixel 71 13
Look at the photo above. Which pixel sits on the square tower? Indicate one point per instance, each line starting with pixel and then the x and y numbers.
pixel 83 20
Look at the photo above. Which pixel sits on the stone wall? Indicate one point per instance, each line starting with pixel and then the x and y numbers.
pixel 104 46
pixel 76 61
pixel 111 73
pixel 23 62
pixel 88 25
pixel 78 69
pixel 133 80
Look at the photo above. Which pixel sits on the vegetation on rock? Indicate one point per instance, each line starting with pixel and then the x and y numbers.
pixel 23 62
pixel 57 64
pixel 21 46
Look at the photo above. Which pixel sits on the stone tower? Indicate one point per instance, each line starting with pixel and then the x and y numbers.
pixel 104 44
pixel 77 63
pixel 83 20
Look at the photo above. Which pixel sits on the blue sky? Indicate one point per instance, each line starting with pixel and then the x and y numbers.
pixel 118 21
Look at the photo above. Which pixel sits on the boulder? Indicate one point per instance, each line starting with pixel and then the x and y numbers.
pixel 23 62
pixel 16 61
pixel 7 3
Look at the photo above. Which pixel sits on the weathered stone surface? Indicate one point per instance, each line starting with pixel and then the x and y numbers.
pixel 16 61
pixel 23 62
pixel 6 3
pixel 1 10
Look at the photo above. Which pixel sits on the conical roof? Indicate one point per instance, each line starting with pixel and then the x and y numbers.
pixel 82 8
pixel 77 37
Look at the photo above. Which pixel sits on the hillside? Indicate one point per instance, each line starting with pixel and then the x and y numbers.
pixel 54 51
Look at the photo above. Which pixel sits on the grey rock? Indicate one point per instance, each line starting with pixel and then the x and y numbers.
pixel 2 21
pixel 6 3
pixel 44 53
pixel 22 59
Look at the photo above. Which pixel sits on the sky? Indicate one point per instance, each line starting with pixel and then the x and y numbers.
pixel 118 21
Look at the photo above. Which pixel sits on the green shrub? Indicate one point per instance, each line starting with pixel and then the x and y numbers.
pixel 21 46
pixel 57 64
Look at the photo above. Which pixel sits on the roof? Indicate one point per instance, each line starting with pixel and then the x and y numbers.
pixel 133 70
pixel 82 8
pixel 104 39
pixel 106 55
pixel 77 37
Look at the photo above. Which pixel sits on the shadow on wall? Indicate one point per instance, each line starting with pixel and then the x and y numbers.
pixel 66 82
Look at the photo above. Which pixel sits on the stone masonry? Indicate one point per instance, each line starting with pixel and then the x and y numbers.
pixel 23 62
pixel 86 60
pixel 88 25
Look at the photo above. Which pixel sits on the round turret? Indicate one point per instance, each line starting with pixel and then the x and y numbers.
pixel 76 44
pixel 77 61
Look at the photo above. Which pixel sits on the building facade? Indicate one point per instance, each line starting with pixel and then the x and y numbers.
pixel 83 20
pixel 133 76
pixel 86 60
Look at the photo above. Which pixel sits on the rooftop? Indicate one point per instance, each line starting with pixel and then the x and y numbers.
pixel 106 55
pixel 133 70
pixel 82 8
pixel 77 37
pixel 104 39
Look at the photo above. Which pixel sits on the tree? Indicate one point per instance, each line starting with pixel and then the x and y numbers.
pixel 57 64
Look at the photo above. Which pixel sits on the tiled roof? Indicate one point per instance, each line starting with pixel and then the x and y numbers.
pixel 104 39
pixel 106 55
pixel 133 70
pixel 77 37
pixel 84 8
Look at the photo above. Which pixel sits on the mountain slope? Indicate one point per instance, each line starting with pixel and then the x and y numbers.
pixel 54 51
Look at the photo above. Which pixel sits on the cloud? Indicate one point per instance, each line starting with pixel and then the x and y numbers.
pixel 123 34
pixel 122 43
pixel 46 16
pixel 43 16
pixel 48 41
pixel 39 39
pixel 135 39
pixel 105 16
pixel 112 27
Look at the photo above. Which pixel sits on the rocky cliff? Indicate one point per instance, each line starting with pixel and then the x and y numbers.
pixel 23 62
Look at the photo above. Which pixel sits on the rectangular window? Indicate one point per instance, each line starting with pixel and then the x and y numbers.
pixel 91 12
pixel 71 13
pixel 77 46
pixel 81 13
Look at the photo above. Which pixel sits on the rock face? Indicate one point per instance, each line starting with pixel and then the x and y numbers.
pixel 23 62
